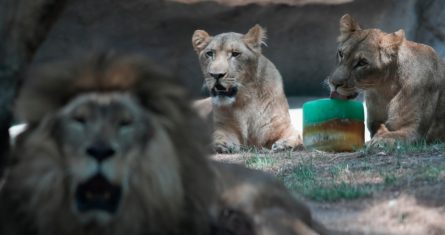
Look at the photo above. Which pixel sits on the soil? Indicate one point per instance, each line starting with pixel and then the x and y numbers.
pixel 411 205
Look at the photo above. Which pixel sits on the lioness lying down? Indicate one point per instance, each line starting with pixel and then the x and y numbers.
pixel 113 147
pixel 249 105
pixel 403 83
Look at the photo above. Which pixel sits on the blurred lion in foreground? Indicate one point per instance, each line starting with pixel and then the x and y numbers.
pixel 113 147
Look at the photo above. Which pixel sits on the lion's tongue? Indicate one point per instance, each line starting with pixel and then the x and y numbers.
pixel 338 96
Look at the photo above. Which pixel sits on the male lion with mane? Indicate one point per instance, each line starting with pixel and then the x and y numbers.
pixel 114 147
pixel 403 83
pixel 107 151
pixel 249 104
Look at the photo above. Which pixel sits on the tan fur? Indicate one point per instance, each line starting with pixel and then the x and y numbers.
pixel 403 83
pixel 257 115
pixel 203 107
pixel 169 185
pixel 272 210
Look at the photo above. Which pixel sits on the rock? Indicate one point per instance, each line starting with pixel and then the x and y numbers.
pixel 302 38
pixel 431 28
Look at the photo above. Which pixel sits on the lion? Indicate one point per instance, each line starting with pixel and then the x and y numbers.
pixel 402 81
pixel 113 146
pixel 249 106
pixel 101 153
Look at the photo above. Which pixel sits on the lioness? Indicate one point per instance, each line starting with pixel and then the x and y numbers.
pixel 114 147
pixel 403 83
pixel 249 105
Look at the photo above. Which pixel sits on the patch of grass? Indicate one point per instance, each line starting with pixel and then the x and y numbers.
pixel 430 173
pixel 404 148
pixel 389 179
pixel 433 172
pixel 403 217
pixel 304 173
pixel 331 177
pixel 260 161
pixel 340 191
pixel 419 146
pixel 305 179
pixel 336 170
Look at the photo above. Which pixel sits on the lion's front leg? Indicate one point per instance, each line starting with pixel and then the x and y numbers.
pixel 234 222
pixel 380 137
pixel 225 142
pixel 410 116
pixel 290 141
pixel 386 138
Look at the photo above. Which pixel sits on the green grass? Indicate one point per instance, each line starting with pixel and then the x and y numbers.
pixel 346 180
pixel 402 174
pixel 389 179
pixel 336 170
pixel 430 173
pixel 259 161
pixel 329 177
pixel 340 191
pixel 433 172
pixel 305 173
pixel 313 184
pixel 404 148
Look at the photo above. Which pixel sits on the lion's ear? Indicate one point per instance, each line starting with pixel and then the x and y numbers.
pixel 390 43
pixel 200 39
pixel 347 26
pixel 255 37
pixel 392 40
pixel 400 34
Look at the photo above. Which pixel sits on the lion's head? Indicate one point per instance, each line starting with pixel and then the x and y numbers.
pixel 112 148
pixel 365 58
pixel 228 61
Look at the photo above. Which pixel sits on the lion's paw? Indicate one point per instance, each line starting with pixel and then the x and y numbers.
pixel 223 147
pixel 232 221
pixel 281 145
pixel 381 143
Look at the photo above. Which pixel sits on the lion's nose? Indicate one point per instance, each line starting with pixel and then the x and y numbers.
pixel 337 82
pixel 217 76
pixel 100 151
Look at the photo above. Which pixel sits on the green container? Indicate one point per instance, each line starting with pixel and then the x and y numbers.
pixel 333 125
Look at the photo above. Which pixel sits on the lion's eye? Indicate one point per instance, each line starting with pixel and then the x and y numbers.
pixel 361 63
pixel 80 119
pixel 209 54
pixel 235 54
pixel 125 122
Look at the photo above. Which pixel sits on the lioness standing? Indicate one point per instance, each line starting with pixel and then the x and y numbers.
pixel 403 82
pixel 249 104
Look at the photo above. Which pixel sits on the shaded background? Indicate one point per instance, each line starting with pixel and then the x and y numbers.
pixel 302 33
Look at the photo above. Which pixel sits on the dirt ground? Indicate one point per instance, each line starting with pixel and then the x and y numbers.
pixel 390 192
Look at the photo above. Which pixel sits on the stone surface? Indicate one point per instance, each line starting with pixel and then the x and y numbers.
pixel 302 38
pixel 431 30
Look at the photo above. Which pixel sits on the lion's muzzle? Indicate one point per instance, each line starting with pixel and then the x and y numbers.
pixel 341 89
pixel 220 90
pixel 100 151
pixel 97 193
pixel 336 95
